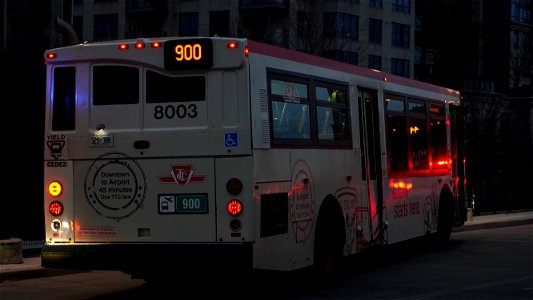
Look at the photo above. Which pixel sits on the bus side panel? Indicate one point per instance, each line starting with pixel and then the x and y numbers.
pixel 289 207
pixel 412 212
pixel 274 242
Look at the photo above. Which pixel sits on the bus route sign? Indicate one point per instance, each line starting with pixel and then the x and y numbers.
pixel 188 54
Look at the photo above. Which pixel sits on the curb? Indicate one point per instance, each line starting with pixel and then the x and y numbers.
pixel 492 225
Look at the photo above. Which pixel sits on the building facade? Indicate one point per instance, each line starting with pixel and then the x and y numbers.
pixel 485 50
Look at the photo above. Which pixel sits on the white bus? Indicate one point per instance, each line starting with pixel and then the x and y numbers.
pixel 230 154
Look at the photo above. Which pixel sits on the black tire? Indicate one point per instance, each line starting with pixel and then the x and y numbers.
pixel 446 216
pixel 330 238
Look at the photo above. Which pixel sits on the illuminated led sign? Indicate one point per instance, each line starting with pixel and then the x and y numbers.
pixel 188 54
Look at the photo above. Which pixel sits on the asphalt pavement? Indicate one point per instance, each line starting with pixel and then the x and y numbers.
pixel 31 263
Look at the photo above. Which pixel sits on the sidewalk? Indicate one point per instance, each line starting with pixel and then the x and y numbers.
pixel 497 220
pixel 33 263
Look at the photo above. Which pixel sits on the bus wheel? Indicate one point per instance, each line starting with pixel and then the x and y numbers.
pixel 445 221
pixel 330 238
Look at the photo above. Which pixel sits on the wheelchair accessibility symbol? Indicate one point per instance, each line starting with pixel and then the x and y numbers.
pixel 231 140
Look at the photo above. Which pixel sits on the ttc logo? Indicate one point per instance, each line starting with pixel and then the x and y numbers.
pixel 182 175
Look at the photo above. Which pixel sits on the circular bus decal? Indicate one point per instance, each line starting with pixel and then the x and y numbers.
pixel 302 201
pixel 115 185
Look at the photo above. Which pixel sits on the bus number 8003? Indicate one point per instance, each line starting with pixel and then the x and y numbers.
pixel 179 111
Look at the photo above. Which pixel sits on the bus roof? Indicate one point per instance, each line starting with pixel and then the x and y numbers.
pixel 278 52
pixel 283 53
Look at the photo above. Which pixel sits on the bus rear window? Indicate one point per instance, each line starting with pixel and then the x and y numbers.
pixel 115 85
pixel 161 88
pixel 64 99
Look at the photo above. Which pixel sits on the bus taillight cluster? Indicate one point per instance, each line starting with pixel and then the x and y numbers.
pixel 234 206
pixel 55 188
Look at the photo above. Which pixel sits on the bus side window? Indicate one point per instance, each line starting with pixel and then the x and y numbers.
pixel 418 134
pixel 397 136
pixel 397 133
pixel 290 120
pixel 332 112
pixel 64 99
pixel 438 136
pixel 290 108
pixel 419 143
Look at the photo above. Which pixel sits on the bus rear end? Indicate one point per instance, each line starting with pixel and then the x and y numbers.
pixel 147 159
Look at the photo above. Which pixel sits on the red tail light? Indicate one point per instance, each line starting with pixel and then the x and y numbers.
pixel 55 208
pixel 234 186
pixel 234 207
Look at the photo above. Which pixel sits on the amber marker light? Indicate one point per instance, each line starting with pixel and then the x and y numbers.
pixel 51 55
pixel 55 208
pixel 400 185
pixel 55 188
pixel 234 207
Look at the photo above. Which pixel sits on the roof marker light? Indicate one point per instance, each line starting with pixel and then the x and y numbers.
pixel 123 47
pixel 246 51
pixel 232 45
pixel 51 55
pixel 139 45
pixel 156 45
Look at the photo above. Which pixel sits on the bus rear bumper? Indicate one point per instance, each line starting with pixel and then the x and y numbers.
pixel 134 258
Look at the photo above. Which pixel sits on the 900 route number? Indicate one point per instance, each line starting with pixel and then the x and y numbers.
pixel 179 111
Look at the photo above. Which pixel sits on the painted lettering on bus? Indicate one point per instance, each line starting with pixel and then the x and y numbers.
pixel 179 111
pixel 399 194
pixel 404 209
pixel 55 137
pixel 56 164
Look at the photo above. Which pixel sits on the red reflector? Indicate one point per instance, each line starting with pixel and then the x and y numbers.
pixel 156 45
pixel 234 186
pixel 233 45
pixel 234 207
pixel 123 47
pixel 55 208
pixel 139 45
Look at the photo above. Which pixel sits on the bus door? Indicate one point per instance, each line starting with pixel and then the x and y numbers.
pixel 372 191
